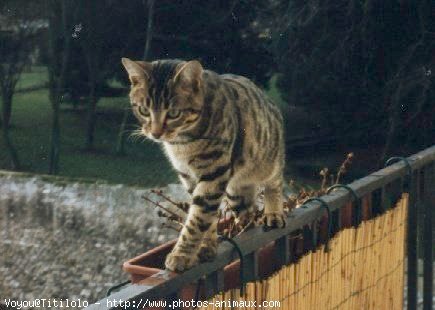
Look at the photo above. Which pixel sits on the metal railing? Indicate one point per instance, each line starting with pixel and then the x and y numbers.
pixel 415 174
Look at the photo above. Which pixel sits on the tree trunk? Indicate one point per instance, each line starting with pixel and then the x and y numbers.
pixel 57 74
pixel 120 144
pixel 15 162
pixel 55 139
pixel 92 59
pixel 6 109
pixel 91 119
pixel 149 5
pixel 6 115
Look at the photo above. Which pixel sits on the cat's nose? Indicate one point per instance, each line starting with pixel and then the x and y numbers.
pixel 157 134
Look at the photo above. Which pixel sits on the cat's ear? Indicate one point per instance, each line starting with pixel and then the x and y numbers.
pixel 138 71
pixel 189 73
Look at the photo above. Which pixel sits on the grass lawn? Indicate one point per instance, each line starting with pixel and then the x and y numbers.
pixel 35 78
pixel 144 163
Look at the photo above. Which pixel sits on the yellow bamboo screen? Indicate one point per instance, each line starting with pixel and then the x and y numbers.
pixel 362 270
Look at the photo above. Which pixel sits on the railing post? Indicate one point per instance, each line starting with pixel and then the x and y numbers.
pixel 411 243
pixel 429 206
pixel 250 267
pixel 283 251
pixel 214 283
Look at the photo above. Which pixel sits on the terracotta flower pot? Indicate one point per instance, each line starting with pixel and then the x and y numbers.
pixel 148 263
pixel 152 262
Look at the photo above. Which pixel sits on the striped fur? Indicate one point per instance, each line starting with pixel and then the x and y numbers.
pixel 223 136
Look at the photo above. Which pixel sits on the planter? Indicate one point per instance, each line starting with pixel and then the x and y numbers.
pixel 148 263
pixel 152 262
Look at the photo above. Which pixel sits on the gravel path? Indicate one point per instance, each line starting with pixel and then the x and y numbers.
pixel 69 255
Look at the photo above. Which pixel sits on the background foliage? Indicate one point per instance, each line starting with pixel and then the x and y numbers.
pixel 348 75
pixel 366 65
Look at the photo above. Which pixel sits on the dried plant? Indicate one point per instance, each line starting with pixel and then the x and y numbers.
pixel 324 174
pixel 170 216
pixel 303 194
pixel 344 166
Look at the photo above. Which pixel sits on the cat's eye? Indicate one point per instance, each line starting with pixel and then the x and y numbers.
pixel 143 111
pixel 174 113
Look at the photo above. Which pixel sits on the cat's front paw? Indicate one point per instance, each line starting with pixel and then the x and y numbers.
pixel 274 220
pixel 207 253
pixel 180 262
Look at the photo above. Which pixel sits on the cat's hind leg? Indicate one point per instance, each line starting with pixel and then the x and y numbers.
pixel 241 200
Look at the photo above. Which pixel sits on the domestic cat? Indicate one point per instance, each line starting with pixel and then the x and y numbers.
pixel 224 138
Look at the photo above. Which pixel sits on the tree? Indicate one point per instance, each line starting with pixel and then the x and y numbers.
pixel 410 92
pixel 97 47
pixel 59 52
pixel 346 58
pixel 149 8
pixel 91 49
pixel 224 35
pixel 18 28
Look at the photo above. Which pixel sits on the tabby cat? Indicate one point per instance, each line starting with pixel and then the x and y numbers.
pixel 223 136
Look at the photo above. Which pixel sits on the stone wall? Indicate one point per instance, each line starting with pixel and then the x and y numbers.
pixel 45 196
pixel 67 238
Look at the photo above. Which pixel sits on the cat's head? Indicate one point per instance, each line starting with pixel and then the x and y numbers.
pixel 166 96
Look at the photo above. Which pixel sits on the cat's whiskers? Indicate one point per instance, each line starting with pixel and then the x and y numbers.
pixel 137 135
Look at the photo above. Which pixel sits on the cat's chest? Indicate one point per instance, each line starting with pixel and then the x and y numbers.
pixel 179 157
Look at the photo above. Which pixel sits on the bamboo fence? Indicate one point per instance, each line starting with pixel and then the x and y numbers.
pixel 364 269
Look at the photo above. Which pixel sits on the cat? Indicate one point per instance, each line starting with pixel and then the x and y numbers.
pixel 224 138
